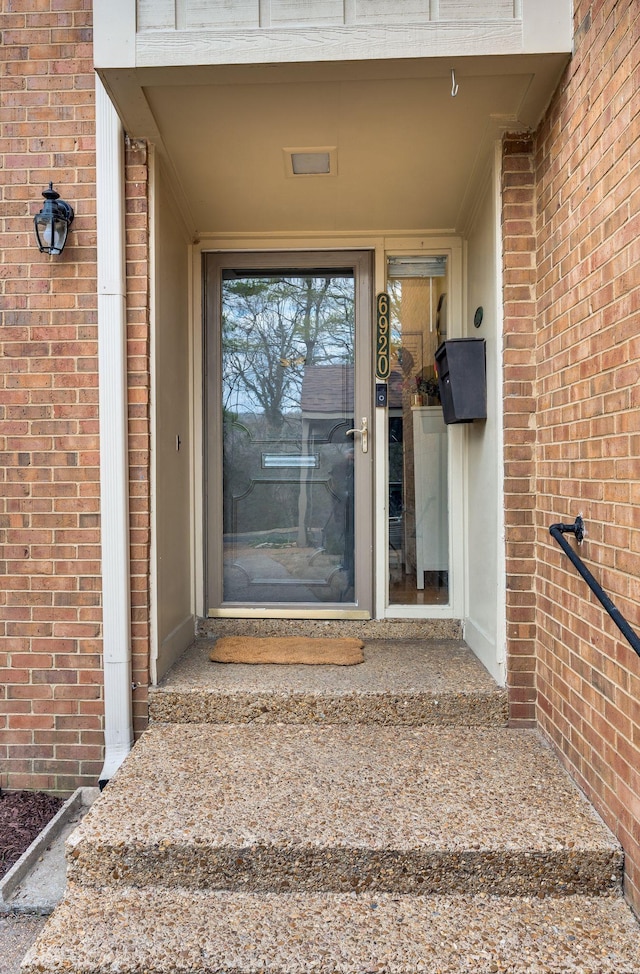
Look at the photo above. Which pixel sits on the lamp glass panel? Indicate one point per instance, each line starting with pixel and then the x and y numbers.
pixel 44 232
pixel 60 229
pixel 51 233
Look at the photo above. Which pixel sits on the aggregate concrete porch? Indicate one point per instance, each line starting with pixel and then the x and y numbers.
pixel 366 629
pixel 141 931
pixel 310 819
pixel 403 680
pixel 305 808
pixel 243 848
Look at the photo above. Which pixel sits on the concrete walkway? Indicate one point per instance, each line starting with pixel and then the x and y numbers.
pixel 17 933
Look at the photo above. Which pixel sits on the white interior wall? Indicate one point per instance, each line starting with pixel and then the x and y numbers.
pixel 172 465
pixel 484 622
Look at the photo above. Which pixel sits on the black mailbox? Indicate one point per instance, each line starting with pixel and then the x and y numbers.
pixel 461 366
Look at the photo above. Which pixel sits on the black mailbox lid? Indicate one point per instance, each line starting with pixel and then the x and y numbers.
pixel 461 367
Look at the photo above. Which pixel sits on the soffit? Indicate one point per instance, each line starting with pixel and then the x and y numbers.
pixel 409 155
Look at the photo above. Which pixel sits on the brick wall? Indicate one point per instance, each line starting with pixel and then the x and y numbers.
pixel 519 365
pixel 587 176
pixel 139 378
pixel 50 617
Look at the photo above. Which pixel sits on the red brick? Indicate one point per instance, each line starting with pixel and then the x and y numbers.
pixel 49 365
pixel 587 378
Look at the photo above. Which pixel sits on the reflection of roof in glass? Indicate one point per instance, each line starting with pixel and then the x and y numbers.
pixel 328 389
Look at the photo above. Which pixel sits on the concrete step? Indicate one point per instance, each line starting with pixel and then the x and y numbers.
pixel 365 629
pixel 159 930
pixel 402 681
pixel 304 808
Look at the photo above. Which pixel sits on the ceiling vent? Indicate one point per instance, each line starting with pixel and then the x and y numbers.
pixel 316 161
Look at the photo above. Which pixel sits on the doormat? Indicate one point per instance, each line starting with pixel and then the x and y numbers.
pixel 312 650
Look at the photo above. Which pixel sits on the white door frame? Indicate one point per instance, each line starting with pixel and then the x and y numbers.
pixel 454 608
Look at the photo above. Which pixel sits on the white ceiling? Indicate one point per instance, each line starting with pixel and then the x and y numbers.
pixel 409 155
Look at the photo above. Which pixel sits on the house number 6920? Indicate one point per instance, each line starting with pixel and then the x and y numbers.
pixel 383 364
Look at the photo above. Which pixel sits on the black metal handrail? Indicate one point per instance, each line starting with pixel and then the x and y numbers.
pixel 557 531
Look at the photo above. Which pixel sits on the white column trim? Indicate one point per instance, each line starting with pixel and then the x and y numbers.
pixel 114 461
pixel 154 637
pixel 500 673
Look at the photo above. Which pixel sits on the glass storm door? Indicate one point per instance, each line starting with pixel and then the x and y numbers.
pixel 289 441
pixel 417 435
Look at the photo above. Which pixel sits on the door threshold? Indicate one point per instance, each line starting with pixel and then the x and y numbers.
pixel 263 613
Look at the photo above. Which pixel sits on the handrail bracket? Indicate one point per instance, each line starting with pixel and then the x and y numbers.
pixel 576 528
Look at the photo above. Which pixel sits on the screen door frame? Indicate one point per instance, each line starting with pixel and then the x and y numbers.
pixel 361 263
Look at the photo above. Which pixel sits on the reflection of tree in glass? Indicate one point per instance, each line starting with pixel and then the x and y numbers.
pixel 394 290
pixel 275 326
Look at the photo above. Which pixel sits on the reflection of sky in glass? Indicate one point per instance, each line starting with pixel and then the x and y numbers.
pixel 275 327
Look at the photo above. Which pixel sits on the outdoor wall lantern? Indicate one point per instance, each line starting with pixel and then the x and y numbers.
pixel 52 222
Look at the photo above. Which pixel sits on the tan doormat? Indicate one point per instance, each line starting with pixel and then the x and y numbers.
pixel 288 649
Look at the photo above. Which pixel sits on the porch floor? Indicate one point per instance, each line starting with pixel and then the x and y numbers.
pixel 402 681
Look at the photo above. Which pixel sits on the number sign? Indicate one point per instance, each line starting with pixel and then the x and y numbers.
pixel 383 365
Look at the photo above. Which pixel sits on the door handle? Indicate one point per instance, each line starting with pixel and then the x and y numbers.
pixel 364 434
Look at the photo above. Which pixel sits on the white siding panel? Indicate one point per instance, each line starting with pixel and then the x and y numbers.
pixel 476 10
pixel 156 14
pixel 228 14
pixel 287 13
pixel 283 45
pixel 392 11
pixel 233 14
